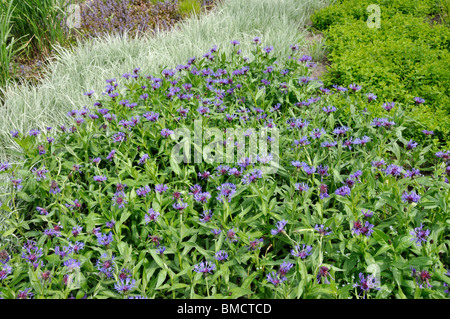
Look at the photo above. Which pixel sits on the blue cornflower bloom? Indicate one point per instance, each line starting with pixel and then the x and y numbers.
pixel 226 191
pixel 284 268
pixel 360 228
pixel 221 255
pixel 125 286
pixel 343 191
pixel 303 252
pixel 151 215
pixel 104 239
pixel 205 267
pixel 72 264
pixel 317 133
pixel 410 197
pixel 367 283
pixel 25 294
pixel 421 278
pixel 322 230
pixel 206 216
pixel 161 188
pixel 275 278
pixel 252 176
pixel 301 187
pixel 322 274
pixel 119 199
pixel 419 235
pixel 106 265
pixel 280 227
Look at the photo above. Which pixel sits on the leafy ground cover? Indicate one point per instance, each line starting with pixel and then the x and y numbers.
pixel 101 208
pixel 405 58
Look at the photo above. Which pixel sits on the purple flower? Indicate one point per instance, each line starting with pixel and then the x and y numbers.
pixel 54 188
pixel 388 106
pixel 221 255
pixel 166 132
pixel 284 268
pixel 4 166
pixel 216 232
pixel 378 164
pixel 421 278
pixel 5 270
pixel 393 170
pixel 119 137
pixel 41 210
pixel 301 187
pixel 323 191
pixel 367 283
pixel 206 216
pixel 17 183
pixel 255 244
pixel 280 227
pixel 125 286
pixel 119 199
pixel 34 132
pixel 362 229
pixel 202 197
pixel 100 178
pixel 104 240
pixel 411 144
pixel 317 133
pixel 419 100
pixel 252 176
pixel 106 265
pixel 111 155
pixel 151 116
pixel 25 294
pixel 371 97
pixel 143 191
pixel 301 253
pixel 77 247
pixel 204 175
pixel 322 230
pixel 151 216
pixel 329 109
pixel 72 264
pixel 368 213
pixel 231 235
pixel 275 278
pixel 268 49
pixel 161 188
pixel 355 87
pixel 205 268
pixel 343 191
pixel 76 230
pixel 322 274
pixel 420 235
pixel 443 154
pixel 226 192
pixel 180 206
pixel 143 159
pixel 410 197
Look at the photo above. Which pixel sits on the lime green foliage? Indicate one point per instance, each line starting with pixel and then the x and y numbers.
pixel 188 7
pixel 444 13
pixel 407 57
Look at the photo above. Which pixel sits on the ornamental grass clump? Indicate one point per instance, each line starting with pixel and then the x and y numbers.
pixel 213 179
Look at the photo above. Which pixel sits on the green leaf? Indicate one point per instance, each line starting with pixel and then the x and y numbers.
pixel 8 232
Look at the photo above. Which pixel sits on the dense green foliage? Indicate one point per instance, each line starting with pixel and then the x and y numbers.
pixel 102 208
pixel 407 57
